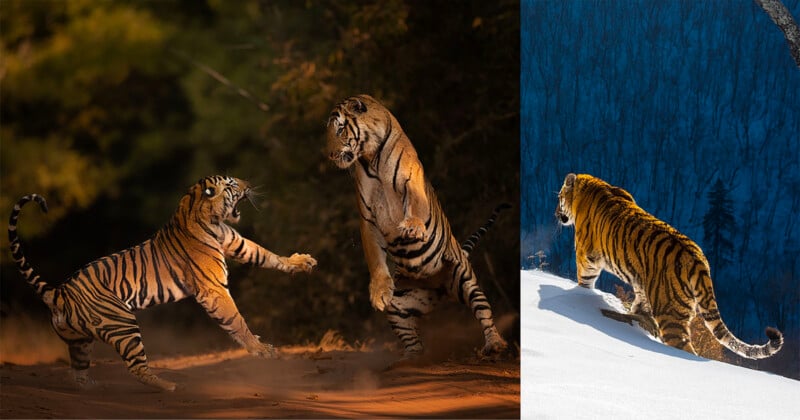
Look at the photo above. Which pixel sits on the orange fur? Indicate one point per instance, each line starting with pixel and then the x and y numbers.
pixel 187 257
pixel 669 274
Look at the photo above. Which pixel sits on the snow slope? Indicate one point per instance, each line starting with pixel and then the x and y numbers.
pixel 578 364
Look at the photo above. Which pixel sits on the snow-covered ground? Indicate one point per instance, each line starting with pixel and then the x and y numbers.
pixel 578 364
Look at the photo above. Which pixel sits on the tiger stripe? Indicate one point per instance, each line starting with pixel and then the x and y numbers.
pixel 402 221
pixel 669 274
pixel 187 257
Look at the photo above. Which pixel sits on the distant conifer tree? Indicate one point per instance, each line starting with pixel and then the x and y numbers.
pixel 719 226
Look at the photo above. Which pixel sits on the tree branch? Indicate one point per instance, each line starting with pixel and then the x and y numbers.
pixel 222 79
pixel 781 16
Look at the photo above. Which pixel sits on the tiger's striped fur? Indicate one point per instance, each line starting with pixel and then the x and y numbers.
pixel 185 258
pixel 401 219
pixel 670 276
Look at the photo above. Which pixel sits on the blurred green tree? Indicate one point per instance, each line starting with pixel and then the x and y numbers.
pixel 85 89
pixel 109 110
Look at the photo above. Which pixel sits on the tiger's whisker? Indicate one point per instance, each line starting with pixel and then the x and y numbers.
pixel 251 194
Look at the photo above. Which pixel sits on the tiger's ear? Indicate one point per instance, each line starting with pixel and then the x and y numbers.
pixel 357 106
pixel 569 181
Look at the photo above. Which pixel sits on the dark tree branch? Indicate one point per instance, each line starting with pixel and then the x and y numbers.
pixel 781 16
pixel 222 79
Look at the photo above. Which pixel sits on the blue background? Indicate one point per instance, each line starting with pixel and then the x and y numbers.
pixel 662 99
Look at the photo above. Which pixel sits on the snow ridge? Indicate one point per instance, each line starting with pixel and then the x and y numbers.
pixel 578 364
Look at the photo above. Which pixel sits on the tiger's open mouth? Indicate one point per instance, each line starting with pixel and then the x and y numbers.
pixel 236 213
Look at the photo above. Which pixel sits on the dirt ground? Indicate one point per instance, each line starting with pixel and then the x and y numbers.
pixel 300 384
pixel 326 379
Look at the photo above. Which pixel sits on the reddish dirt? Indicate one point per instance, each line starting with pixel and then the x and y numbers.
pixel 216 379
pixel 301 383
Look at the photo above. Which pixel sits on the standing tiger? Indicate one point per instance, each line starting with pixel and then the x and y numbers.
pixel 401 218
pixel 669 274
pixel 185 258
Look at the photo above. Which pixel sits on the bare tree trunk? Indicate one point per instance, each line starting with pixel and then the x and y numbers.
pixel 781 16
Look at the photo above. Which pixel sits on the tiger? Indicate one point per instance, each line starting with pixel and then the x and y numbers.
pixel 402 220
pixel 670 276
pixel 184 258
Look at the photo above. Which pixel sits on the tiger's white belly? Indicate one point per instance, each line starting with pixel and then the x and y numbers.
pixel 412 258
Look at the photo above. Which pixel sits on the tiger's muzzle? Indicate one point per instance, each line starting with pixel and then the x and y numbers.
pixel 562 217
pixel 342 158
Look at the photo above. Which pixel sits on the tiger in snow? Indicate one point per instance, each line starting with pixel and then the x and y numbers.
pixel 670 276
pixel 401 219
pixel 185 258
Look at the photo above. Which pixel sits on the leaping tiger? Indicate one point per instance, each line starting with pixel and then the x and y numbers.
pixel 185 258
pixel 670 276
pixel 401 219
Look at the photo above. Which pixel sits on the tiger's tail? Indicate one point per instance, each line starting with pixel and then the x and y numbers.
pixel 475 237
pixel 710 313
pixel 30 275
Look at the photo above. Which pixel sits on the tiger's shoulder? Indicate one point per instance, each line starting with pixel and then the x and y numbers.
pixel 586 200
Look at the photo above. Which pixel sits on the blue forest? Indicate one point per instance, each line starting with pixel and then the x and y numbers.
pixel 692 107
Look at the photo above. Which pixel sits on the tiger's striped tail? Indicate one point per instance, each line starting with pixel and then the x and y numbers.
pixel 24 268
pixel 473 239
pixel 713 321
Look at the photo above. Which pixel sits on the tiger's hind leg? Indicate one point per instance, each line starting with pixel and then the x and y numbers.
pixel 405 309
pixel 127 341
pixel 80 353
pixel 675 331
pixel 79 343
pixel 464 285
pixel 120 330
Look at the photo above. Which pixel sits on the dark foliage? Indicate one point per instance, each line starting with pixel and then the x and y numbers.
pixel 107 113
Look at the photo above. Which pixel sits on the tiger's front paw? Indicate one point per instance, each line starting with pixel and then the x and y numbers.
pixel 82 379
pixel 380 293
pixel 266 351
pixel 494 348
pixel 412 228
pixel 300 262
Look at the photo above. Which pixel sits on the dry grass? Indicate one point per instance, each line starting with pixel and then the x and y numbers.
pixel 625 296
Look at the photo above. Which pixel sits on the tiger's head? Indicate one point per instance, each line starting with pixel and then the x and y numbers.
pixel 564 212
pixel 580 191
pixel 356 128
pixel 216 198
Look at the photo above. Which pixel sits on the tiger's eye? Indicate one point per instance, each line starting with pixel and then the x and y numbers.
pixel 209 192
